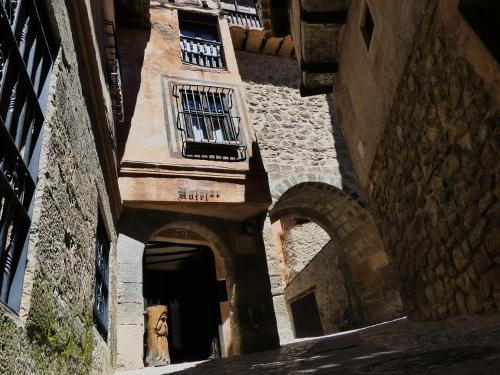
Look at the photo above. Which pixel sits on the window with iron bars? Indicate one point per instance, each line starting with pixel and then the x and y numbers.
pixel 200 42
pixel 208 123
pixel 27 51
pixel 102 246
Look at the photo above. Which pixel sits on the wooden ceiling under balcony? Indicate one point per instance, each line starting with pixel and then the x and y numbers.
pixel 248 34
pixel 316 27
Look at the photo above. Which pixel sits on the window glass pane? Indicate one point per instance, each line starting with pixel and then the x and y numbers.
pixel 246 3
pixel 207 122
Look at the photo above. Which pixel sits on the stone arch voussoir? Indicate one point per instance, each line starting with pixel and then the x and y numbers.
pixel 286 183
pixel 354 234
pixel 332 180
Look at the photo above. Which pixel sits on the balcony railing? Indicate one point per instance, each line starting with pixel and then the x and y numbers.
pixel 242 12
pixel 202 52
pixel 114 73
pixel 208 123
pixel 244 19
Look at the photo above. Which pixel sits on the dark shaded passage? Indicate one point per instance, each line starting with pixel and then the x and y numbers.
pixel 183 278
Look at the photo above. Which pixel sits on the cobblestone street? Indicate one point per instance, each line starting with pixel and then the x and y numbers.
pixel 400 347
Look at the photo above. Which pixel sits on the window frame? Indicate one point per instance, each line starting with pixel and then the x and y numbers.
pixel 219 123
pixel 213 56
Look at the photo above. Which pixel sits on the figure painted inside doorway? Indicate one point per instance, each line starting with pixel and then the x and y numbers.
pixel 157 336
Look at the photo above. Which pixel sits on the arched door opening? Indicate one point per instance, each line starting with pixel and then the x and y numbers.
pixel 183 277
pixel 340 266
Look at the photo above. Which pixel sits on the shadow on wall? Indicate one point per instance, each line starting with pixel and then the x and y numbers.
pixel 132 43
pixel 247 62
pixel 272 88
pixel 350 182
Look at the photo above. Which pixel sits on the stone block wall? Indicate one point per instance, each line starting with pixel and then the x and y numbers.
pixel 434 182
pixel 325 276
pixel 296 145
pixel 131 308
pixel 54 333
pixel 300 244
pixel 275 265
pixel 294 134
pixel 300 142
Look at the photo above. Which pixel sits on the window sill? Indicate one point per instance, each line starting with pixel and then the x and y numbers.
pixel 214 150
pixel 203 68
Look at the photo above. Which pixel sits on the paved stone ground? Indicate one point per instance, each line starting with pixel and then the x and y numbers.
pixel 465 345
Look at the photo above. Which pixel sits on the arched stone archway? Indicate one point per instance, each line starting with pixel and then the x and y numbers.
pixel 218 246
pixel 322 203
pixel 348 187
pixel 240 259
pixel 355 237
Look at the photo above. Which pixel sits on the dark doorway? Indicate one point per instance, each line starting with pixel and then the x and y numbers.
pixel 306 319
pixel 183 278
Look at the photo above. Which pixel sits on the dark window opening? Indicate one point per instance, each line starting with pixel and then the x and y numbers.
pixel 102 246
pixel 208 122
pixel 183 278
pixel 200 41
pixel 483 16
pixel 306 318
pixel 27 50
pixel 367 26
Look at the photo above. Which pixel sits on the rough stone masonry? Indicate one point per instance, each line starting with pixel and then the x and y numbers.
pixel 55 333
pixel 436 171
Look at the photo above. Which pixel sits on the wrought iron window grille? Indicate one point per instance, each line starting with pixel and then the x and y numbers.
pixel 208 122
pixel 114 72
pixel 26 59
pixel 102 247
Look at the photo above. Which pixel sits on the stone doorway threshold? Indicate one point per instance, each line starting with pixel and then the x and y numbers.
pixel 161 370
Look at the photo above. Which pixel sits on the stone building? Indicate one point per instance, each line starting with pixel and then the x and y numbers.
pixel 416 90
pixel 59 202
pixel 189 154
pixel 304 151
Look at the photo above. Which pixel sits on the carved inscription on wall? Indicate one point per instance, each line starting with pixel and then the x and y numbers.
pixel 181 233
pixel 198 195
